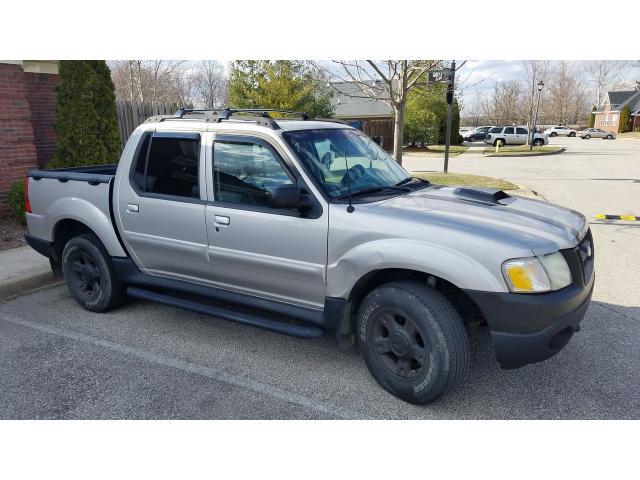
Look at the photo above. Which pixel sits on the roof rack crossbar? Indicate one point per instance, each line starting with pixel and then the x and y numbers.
pixel 261 115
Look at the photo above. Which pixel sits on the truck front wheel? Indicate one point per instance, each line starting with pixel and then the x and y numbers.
pixel 89 274
pixel 413 341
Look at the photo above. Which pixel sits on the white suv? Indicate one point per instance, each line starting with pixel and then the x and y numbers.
pixel 499 136
pixel 560 130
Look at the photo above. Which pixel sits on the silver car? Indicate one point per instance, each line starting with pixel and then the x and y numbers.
pixel 560 130
pixel 309 228
pixel 588 133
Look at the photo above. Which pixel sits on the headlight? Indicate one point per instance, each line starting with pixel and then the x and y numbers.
pixel 537 274
pixel 557 269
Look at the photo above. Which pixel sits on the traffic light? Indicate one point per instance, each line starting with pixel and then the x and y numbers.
pixel 449 93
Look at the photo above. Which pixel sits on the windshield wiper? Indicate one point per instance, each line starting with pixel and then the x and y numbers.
pixel 374 190
pixel 410 179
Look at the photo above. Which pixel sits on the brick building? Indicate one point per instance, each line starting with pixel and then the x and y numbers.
pixel 607 117
pixel 27 112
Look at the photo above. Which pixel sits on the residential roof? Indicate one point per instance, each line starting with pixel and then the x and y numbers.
pixel 619 98
pixel 348 104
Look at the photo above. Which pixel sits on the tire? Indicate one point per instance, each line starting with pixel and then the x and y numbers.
pixel 553 134
pixel 609 137
pixel 587 137
pixel 572 134
pixel 89 274
pixel 538 142
pixel 499 143
pixel 413 341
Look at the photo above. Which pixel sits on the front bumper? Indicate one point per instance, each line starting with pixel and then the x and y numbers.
pixel 529 328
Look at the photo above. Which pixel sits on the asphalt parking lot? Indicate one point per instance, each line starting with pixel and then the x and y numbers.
pixel 150 361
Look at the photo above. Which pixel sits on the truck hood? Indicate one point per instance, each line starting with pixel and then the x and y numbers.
pixel 539 226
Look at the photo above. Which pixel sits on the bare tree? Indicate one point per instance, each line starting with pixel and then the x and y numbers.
pixel 389 81
pixel 567 96
pixel 605 75
pixel 535 71
pixel 504 105
pixel 211 83
pixel 146 80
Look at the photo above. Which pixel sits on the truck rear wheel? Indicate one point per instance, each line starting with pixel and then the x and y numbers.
pixel 413 341
pixel 89 274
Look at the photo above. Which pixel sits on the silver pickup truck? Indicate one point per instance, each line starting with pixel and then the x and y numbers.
pixel 308 227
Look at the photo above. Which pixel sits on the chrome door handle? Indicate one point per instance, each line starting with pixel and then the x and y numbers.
pixel 132 207
pixel 221 220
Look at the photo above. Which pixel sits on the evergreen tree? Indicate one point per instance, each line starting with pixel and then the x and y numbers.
pixel 280 84
pixel 592 117
pixel 86 126
pixel 425 114
pixel 625 118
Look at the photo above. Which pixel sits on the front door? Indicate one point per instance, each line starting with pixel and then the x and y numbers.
pixel 160 209
pixel 255 249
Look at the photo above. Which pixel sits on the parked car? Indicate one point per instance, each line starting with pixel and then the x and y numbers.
pixel 307 227
pixel 479 133
pixel 464 130
pixel 588 133
pixel 560 130
pixel 512 135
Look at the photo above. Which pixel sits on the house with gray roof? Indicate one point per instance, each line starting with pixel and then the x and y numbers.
pixel 373 116
pixel 607 117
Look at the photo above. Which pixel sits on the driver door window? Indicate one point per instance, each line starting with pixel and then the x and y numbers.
pixel 246 173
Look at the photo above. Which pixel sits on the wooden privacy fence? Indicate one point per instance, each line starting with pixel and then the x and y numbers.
pixel 132 114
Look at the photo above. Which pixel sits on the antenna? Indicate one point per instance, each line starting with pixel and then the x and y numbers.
pixel 350 208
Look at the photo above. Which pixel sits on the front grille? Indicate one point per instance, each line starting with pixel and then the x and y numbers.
pixel 585 254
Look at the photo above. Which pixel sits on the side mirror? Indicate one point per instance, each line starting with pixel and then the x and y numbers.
pixel 286 196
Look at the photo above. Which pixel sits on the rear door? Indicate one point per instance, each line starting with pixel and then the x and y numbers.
pixel 280 254
pixel 521 135
pixel 160 207
pixel 510 136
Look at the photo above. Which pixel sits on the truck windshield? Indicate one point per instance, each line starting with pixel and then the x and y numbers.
pixel 333 156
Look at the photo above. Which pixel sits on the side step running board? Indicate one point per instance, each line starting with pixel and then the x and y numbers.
pixel 302 331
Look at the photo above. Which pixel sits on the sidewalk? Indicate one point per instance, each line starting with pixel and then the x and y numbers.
pixel 23 269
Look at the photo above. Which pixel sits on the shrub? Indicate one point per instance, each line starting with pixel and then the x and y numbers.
pixel 637 130
pixel 16 201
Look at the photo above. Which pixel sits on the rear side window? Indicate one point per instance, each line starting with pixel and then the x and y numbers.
pixel 521 131
pixel 168 165
pixel 496 130
pixel 508 130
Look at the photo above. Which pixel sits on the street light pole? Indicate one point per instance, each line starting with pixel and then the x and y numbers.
pixel 535 116
pixel 450 90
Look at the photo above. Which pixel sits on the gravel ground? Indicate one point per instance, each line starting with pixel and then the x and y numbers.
pixel 11 234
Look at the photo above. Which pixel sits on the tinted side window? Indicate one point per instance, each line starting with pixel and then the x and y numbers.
pixel 496 130
pixel 521 131
pixel 508 130
pixel 171 167
pixel 246 173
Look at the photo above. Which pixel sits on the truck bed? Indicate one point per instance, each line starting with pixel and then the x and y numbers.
pixel 79 193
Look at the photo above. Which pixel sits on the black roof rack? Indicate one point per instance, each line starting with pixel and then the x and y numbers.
pixel 262 116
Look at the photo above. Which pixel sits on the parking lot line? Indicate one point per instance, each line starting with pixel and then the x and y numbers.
pixel 192 368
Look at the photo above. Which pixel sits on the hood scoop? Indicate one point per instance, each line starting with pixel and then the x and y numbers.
pixel 486 196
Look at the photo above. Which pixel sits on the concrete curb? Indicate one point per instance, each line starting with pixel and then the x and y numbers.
pixel 541 154
pixel 19 286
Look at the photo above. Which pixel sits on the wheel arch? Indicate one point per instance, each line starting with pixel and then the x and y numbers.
pixel 63 231
pixel 464 305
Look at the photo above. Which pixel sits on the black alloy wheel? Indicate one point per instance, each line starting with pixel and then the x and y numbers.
pixel 399 344
pixel 85 275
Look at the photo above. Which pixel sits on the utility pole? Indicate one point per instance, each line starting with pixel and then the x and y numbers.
pixel 450 89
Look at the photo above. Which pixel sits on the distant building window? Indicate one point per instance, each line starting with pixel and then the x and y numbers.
pixel 613 119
